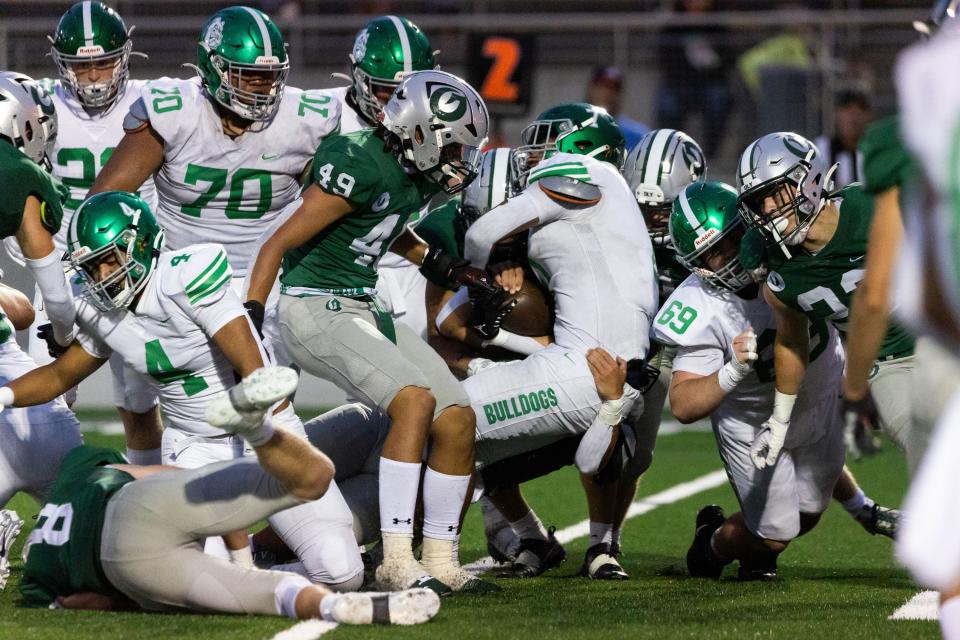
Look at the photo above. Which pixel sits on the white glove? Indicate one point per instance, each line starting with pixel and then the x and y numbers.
pixel 743 353
pixel 476 365
pixel 6 398
pixel 769 441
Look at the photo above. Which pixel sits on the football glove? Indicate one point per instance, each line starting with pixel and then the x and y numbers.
pixel 863 410
pixel 45 333
pixel 769 441
pixel 491 306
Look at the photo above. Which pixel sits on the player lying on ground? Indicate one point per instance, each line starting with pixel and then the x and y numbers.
pixel 724 330
pixel 174 318
pixel 119 536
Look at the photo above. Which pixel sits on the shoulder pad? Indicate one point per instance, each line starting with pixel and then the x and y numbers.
pixel 570 192
pixel 137 117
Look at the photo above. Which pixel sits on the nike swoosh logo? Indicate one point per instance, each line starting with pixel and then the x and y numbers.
pixel 266 157
pixel 858 258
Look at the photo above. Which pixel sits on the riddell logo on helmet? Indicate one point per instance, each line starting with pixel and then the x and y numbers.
pixel 267 60
pixel 703 239
pixel 90 50
pixel 79 253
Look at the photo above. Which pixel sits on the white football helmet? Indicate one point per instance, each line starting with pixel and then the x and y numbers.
pixel 28 118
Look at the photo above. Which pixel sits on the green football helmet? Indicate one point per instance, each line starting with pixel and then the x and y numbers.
pixel 119 225
pixel 385 51
pixel 237 45
pixel 92 37
pixel 706 227
pixel 575 127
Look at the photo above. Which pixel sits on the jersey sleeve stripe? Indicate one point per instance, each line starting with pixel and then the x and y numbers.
pixel 559 165
pixel 210 283
pixel 582 176
pixel 212 289
pixel 221 257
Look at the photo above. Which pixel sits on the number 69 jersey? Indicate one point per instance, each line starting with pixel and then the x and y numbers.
pixel 228 190
pixel 703 322
pixel 167 337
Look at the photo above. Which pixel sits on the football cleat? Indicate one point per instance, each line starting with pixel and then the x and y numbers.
pixel 460 581
pixel 503 544
pixel 397 575
pixel 877 520
pixel 412 606
pixel 754 571
pixel 244 405
pixel 600 563
pixel 701 561
pixel 534 557
pixel 10 525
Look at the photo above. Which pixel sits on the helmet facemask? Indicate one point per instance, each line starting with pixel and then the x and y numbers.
pixel 657 217
pixel 234 93
pixel 718 262
pixel 114 65
pixel 459 163
pixel 539 142
pixel 118 289
pixel 365 90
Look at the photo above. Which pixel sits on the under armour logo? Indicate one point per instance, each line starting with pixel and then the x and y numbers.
pixel 407 521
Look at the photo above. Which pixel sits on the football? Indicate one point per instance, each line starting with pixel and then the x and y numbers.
pixel 533 315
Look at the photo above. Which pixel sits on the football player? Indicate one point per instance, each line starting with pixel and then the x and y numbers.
pixel 32 211
pixel 227 148
pixel 364 187
pixel 92 50
pixel 589 246
pixel 120 536
pixel 817 244
pixel 723 332
pixel 32 441
pixel 174 318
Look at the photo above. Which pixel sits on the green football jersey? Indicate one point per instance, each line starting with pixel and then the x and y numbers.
pixel 65 545
pixel 441 229
pixel 886 161
pixel 342 259
pixel 22 178
pixel 821 286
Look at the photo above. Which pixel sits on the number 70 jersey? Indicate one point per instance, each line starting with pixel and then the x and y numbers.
pixel 213 188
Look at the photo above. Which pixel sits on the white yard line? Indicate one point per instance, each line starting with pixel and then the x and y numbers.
pixel 923 606
pixel 306 630
pixel 644 505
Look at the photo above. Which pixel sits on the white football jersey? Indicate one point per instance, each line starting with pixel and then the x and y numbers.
pixel 350 118
pixel 13 361
pixel 168 337
pixel 703 322
pixel 213 188
pixel 596 261
pixel 929 109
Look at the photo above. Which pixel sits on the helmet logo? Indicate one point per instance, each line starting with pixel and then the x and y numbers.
pixel 447 103
pixel 704 238
pixel 382 202
pixel 693 156
pixel 130 212
pixel 90 50
pixel 795 147
pixel 214 35
pixel 360 45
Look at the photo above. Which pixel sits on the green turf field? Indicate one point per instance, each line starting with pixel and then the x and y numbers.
pixel 837 582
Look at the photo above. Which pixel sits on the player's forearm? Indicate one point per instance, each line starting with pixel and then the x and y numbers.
pixel 790 364
pixel 510 218
pixel 868 325
pixel 36 387
pixel 696 398
pixel 138 156
pixel 265 270
pixel 238 344
pixel 410 246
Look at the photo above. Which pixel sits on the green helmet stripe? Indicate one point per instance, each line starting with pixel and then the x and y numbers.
pixel 264 34
pixel 87 23
pixel 404 44
pixel 652 171
pixel 689 215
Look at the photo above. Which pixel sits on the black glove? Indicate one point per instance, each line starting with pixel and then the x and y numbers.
pixel 448 270
pixel 45 333
pixel 491 306
pixel 256 312
pixel 862 411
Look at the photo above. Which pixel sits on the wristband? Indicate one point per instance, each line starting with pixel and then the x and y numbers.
pixel 6 397
pixel 611 411
pixel 732 373
pixel 783 406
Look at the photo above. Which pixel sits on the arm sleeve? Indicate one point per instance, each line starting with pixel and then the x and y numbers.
pixel 499 222
pixel 593 446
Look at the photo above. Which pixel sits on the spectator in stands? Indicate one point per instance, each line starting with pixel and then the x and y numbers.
pixel 695 69
pixel 851 115
pixel 606 90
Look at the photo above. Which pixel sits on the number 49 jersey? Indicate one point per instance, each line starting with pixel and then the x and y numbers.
pixel 168 336
pixel 821 286
pixel 214 188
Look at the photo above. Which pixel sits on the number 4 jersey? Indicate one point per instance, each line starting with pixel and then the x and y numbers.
pixel 821 286
pixel 213 188
pixel 167 337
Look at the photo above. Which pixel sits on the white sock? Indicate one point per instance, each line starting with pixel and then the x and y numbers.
pixel 285 595
pixel 242 557
pixel 326 607
pixel 600 532
pixel 530 527
pixel 399 485
pixel 259 435
pixel 950 619
pixel 443 498
pixel 615 536
pixel 855 505
pixel 57 298
pixel 143 456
